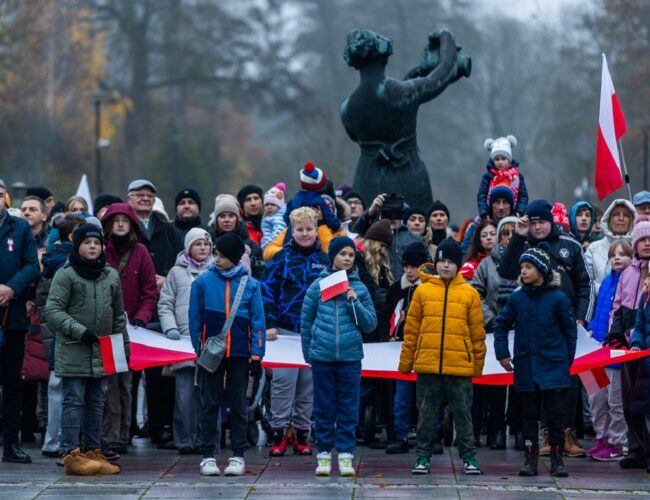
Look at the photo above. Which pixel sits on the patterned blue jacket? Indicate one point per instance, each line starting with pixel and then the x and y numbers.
pixel 287 277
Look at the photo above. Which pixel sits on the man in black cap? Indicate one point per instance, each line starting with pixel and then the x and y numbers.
pixel 251 201
pixel 188 211
pixel 44 194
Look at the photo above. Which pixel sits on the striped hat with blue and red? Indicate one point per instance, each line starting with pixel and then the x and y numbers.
pixel 312 178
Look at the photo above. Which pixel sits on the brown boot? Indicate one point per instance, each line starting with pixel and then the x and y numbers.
pixel 105 466
pixel 76 464
pixel 571 446
pixel 545 449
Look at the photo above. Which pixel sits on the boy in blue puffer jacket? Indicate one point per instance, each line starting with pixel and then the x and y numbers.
pixel 211 299
pixel 607 404
pixel 332 343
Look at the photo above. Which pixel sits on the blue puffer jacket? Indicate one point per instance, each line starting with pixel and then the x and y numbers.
pixel 599 325
pixel 287 277
pixel 545 336
pixel 328 329
pixel 211 299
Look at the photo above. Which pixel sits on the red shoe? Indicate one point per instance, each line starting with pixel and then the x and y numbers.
pixel 299 443
pixel 280 441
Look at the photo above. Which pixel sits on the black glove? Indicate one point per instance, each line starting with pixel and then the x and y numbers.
pixel 89 338
pixel 616 341
pixel 139 323
pixel 255 367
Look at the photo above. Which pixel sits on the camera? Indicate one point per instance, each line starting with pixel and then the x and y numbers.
pixel 393 207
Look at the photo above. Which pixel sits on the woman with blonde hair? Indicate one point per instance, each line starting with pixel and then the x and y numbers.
pixel 76 204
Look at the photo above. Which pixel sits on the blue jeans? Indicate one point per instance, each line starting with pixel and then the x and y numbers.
pixel 404 396
pixel 336 404
pixel 83 404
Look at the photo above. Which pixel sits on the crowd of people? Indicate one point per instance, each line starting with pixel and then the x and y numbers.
pixel 254 270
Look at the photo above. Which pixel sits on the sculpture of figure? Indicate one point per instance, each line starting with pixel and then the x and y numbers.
pixel 381 114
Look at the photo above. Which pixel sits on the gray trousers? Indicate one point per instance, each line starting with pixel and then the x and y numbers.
pixel 117 413
pixel 292 396
pixel 54 403
pixel 607 411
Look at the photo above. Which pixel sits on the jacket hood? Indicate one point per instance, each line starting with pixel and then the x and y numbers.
pixel 574 213
pixel 122 209
pixel 604 220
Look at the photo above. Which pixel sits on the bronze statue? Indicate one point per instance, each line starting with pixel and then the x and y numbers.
pixel 381 114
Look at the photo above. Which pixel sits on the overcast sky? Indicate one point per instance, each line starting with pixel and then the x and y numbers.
pixel 525 9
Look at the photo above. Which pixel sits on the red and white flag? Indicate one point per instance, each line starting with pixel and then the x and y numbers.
pixel 113 354
pixel 149 349
pixel 335 284
pixel 394 319
pixel 594 380
pixel 611 127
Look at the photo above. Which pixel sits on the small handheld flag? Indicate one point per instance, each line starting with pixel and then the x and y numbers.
pixel 335 284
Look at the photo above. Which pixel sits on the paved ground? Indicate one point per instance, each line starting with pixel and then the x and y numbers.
pixel 149 473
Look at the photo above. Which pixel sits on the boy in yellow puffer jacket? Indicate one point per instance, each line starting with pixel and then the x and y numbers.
pixel 444 343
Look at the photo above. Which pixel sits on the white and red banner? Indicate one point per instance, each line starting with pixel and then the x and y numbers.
pixel 149 349
pixel 611 127
pixel 335 284
pixel 594 380
pixel 394 319
pixel 113 355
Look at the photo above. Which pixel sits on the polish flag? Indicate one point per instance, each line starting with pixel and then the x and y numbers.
pixel 149 349
pixel 594 380
pixel 113 354
pixel 611 127
pixel 394 319
pixel 335 284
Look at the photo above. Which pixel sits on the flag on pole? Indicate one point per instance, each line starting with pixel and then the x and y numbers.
pixel 594 380
pixel 611 127
pixel 335 284
pixel 113 354
pixel 394 319
pixel 84 191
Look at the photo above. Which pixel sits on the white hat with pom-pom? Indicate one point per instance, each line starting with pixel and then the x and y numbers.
pixel 501 146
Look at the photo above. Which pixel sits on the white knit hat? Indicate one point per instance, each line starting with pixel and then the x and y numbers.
pixel 195 234
pixel 275 195
pixel 226 203
pixel 501 146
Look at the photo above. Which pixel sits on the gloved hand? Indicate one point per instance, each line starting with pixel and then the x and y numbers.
pixel 89 338
pixel 616 341
pixel 255 367
pixel 139 323
pixel 173 334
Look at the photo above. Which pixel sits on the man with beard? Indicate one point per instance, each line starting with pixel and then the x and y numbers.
pixel 188 211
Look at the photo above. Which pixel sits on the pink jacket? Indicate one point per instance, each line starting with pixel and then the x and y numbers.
pixel 630 287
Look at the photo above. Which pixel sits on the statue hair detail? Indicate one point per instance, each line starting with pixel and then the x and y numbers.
pixel 362 45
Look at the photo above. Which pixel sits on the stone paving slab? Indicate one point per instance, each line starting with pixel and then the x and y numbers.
pixel 150 473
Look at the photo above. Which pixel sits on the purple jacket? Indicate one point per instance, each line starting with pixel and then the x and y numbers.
pixel 626 300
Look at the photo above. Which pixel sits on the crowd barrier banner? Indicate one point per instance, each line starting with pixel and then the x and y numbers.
pixel 149 349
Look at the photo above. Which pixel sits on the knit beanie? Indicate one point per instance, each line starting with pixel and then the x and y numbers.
pixel 501 192
pixel 560 217
pixel 312 178
pixel 506 220
pixel 449 249
pixel 275 195
pixel 246 190
pixel 437 205
pixel 501 146
pixel 231 247
pixel 226 203
pixel 539 257
pixel 641 230
pixel 84 231
pixel 354 194
pixel 195 234
pixel 539 210
pixel 337 244
pixel 413 211
pixel 415 255
pixel 188 193
pixel 105 200
pixel 380 231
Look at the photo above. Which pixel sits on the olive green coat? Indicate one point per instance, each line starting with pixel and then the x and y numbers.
pixel 75 305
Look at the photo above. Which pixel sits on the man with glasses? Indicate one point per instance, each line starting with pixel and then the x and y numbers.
pixel 357 205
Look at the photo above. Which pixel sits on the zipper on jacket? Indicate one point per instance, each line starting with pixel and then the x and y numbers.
pixel 444 319
pixel 337 329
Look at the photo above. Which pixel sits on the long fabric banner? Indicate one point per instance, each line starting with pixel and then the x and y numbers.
pixel 149 349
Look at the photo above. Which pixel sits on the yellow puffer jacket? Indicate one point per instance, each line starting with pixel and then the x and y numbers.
pixel 444 331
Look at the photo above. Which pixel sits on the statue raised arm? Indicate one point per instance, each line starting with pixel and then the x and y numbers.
pixel 381 114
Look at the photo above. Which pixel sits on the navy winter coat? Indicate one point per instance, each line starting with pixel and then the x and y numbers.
pixel 545 336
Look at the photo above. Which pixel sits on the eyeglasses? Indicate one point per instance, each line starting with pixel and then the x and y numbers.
pixel 354 203
pixel 506 233
pixel 142 196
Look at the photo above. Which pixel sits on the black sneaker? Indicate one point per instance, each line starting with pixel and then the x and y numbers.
pixel 400 446
pixel 13 453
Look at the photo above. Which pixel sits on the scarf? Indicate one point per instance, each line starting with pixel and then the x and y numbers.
pixel 438 235
pixel 88 269
pixel 256 220
pixel 232 272
pixel 190 262
pixel 187 224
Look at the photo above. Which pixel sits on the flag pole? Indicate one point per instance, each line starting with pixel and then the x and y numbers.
pixel 626 175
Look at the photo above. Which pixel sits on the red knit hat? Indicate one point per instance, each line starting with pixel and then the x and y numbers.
pixel 312 178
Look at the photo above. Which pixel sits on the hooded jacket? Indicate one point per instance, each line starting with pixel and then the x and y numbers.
pixel 444 331
pixel 329 331
pixel 626 300
pixel 545 336
pixel 596 255
pixel 588 237
pixel 138 276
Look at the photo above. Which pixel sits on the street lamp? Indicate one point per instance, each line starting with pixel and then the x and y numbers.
pixel 98 97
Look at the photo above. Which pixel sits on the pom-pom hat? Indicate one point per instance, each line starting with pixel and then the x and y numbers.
pixel 501 146
pixel 312 178
pixel 275 195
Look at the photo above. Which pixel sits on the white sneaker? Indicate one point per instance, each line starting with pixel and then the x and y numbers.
pixel 324 461
pixel 345 464
pixel 209 467
pixel 236 467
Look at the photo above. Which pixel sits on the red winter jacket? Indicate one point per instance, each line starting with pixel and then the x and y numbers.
pixel 138 278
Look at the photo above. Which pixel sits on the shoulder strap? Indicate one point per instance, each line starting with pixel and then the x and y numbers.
pixel 123 261
pixel 235 305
